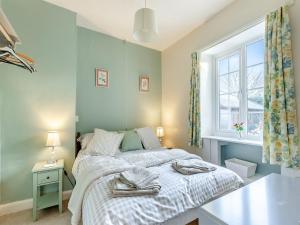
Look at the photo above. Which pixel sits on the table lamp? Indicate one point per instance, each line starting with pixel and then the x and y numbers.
pixel 52 142
pixel 160 133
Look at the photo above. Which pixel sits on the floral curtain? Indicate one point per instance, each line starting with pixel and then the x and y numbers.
pixel 280 133
pixel 194 107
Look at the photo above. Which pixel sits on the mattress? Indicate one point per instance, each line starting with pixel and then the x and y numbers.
pixel 179 193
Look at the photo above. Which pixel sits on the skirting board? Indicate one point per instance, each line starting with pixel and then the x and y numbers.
pixel 18 206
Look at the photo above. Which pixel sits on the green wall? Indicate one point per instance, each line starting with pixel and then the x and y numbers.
pixel 66 56
pixel 32 104
pixel 121 106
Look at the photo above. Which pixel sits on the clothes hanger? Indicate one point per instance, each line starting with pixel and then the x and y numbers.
pixel 4 54
pixel 8 41
pixel 27 58
pixel 15 59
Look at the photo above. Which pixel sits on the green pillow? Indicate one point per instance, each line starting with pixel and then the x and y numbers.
pixel 131 141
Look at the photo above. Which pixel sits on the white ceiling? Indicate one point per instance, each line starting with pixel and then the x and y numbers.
pixel 175 18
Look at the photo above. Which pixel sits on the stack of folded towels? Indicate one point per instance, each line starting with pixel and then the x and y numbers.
pixel 135 181
pixel 192 166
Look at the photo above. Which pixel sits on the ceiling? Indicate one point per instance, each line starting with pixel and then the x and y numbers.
pixel 175 18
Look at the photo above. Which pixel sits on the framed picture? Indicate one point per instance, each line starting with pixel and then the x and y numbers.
pixel 102 78
pixel 144 83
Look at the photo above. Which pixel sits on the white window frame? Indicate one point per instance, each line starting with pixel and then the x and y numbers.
pixel 243 90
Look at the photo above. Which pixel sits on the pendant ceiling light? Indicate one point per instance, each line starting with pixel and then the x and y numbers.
pixel 145 26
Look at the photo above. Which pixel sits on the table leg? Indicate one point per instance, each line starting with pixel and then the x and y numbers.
pixel 34 196
pixel 60 189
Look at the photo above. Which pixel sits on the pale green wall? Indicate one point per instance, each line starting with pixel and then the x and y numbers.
pixel 121 105
pixel 32 104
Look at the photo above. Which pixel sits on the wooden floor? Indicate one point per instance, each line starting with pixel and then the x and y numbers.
pixel 195 222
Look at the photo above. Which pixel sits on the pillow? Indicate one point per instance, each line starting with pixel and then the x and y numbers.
pixel 85 140
pixel 131 141
pixel 105 143
pixel 148 137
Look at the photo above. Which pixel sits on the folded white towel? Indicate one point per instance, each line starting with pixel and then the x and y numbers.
pixel 135 181
pixel 192 166
pixel 139 177
pixel 120 189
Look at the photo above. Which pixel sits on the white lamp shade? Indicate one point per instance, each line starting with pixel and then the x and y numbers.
pixel 160 132
pixel 53 139
pixel 145 26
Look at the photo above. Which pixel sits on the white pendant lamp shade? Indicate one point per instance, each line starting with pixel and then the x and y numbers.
pixel 145 26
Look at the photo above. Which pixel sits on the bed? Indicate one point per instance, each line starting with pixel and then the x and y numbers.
pixel 178 201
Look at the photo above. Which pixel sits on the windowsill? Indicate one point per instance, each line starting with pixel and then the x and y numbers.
pixel 235 140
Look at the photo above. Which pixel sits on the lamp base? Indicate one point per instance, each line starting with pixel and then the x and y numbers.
pixel 161 140
pixel 50 163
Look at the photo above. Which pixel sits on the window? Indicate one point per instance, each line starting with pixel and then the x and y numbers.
pixel 229 88
pixel 255 87
pixel 239 87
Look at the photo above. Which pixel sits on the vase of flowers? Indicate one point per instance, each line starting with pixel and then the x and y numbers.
pixel 239 127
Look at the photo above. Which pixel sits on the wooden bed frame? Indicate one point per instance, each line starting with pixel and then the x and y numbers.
pixel 77 144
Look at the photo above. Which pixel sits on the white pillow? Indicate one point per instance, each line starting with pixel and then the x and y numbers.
pixel 148 137
pixel 105 143
pixel 85 140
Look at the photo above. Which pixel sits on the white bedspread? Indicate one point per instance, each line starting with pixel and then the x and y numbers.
pixel 92 194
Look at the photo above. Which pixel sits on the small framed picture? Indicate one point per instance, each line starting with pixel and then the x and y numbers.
pixel 102 78
pixel 144 83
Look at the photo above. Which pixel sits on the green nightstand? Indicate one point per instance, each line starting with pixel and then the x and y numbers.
pixel 43 176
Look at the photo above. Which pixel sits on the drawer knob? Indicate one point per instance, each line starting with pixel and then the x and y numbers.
pixel 48 177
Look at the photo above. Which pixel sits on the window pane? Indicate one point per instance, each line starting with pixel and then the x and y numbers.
pixel 255 99
pixel 255 53
pixel 223 83
pixel 234 63
pixel 224 112
pixel 234 103
pixel 255 123
pixel 234 82
pixel 229 111
pixel 223 66
pixel 255 76
pixel 224 118
pixel 255 111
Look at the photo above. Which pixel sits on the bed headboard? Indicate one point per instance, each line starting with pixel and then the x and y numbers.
pixel 77 144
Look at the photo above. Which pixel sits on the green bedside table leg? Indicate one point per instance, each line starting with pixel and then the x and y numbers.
pixel 34 196
pixel 60 189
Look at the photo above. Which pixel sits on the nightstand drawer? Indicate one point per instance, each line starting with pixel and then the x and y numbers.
pixel 47 177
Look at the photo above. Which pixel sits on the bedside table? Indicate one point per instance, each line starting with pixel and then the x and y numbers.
pixel 43 176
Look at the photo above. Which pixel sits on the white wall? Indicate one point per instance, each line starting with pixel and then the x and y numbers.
pixel 206 94
pixel 176 61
